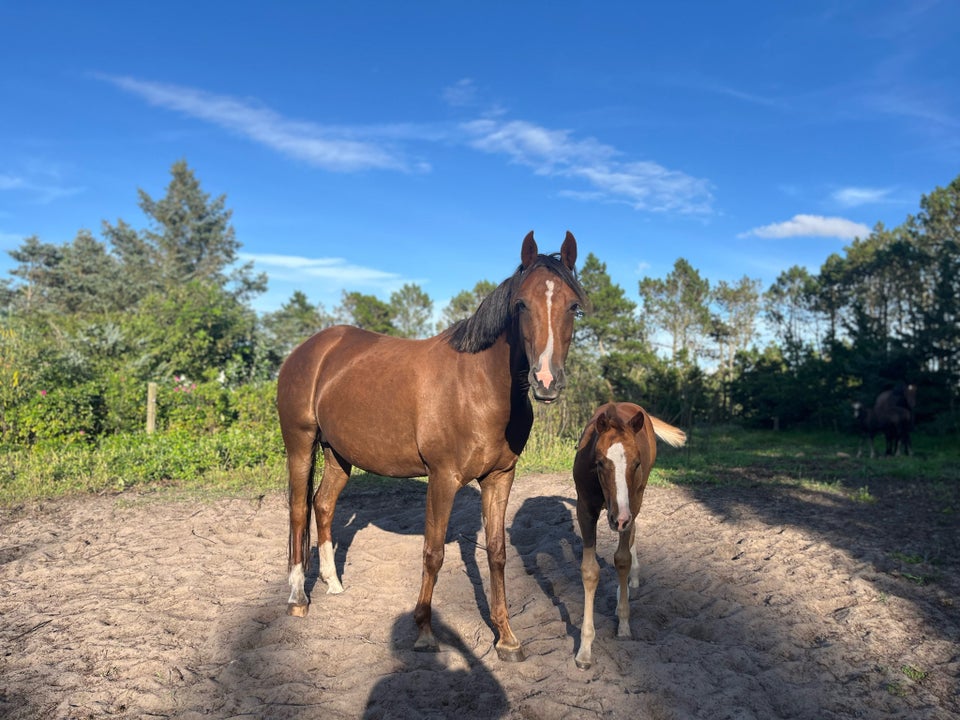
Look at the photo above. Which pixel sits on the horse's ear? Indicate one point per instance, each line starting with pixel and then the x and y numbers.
pixel 568 251
pixel 528 253
pixel 637 421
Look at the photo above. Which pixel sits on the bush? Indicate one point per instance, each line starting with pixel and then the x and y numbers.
pixel 256 404
pixel 61 415
pixel 125 403
pixel 184 405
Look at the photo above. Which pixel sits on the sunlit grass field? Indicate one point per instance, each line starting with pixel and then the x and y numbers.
pixel 250 460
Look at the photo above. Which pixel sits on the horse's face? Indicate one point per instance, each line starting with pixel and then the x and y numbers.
pixel 546 307
pixel 619 467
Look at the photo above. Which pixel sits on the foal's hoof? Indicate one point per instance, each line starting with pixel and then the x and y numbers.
pixel 297 610
pixel 583 664
pixel 511 654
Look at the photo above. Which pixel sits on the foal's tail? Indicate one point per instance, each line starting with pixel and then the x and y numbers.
pixel 668 433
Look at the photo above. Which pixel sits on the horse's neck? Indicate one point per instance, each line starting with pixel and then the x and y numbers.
pixel 519 365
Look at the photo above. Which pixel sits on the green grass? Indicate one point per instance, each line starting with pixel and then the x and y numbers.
pixel 251 459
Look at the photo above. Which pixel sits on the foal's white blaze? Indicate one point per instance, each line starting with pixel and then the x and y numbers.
pixel 617 456
pixel 544 375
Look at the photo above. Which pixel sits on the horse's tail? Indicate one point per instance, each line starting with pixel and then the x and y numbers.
pixel 668 433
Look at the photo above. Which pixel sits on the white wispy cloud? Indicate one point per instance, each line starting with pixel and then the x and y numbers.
pixel 811 226
pixel 42 191
pixel 644 185
pixel 327 147
pixel 462 93
pixel 601 170
pixel 293 267
pixel 855 196
pixel 10 182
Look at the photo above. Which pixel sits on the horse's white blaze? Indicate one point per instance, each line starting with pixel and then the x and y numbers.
pixel 544 375
pixel 617 456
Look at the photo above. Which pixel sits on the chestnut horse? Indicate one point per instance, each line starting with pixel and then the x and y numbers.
pixel 454 407
pixel 611 468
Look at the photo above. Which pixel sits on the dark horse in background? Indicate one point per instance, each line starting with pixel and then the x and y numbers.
pixel 454 407
pixel 892 415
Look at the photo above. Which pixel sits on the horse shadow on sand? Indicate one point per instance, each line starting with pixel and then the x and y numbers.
pixel 398 505
pixel 451 682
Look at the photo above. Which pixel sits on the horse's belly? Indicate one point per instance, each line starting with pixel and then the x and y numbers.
pixel 378 442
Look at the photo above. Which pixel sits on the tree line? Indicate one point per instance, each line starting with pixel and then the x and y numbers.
pixel 86 324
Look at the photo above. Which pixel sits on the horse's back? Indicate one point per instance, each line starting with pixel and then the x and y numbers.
pixel 382 403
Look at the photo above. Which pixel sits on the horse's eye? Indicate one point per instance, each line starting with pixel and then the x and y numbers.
pixel 576 310
pixel 521 306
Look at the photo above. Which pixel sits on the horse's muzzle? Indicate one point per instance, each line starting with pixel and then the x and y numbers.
pixel 547 393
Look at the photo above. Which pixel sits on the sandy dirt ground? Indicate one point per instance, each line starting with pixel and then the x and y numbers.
pixel 756 601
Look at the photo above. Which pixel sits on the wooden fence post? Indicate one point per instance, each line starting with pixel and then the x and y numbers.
pixel 151 408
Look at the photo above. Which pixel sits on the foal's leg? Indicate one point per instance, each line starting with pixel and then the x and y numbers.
pixel 590 574
pixel 634 562
pixel 441 488
pixel 622 560
pixel 336 472
pixel 494 494
pixel 299 445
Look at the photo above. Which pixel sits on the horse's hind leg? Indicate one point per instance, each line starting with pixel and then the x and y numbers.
pixel 336 472
pixel 300 456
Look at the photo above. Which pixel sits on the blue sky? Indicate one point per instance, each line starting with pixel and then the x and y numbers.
pixel 365 145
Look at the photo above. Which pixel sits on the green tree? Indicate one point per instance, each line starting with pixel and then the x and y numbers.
pixel 464 304
pixel 195 329
pixel 738 306
pixel 412 309
pixel 367 312
pixel 281 331
pixel 611 322
pixel 678 305
pixel 189 238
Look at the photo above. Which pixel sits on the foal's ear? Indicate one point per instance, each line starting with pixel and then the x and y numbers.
pixel 568 251
pixel 606 419
pixel 637 421
pixel 528 253
pixel 601 424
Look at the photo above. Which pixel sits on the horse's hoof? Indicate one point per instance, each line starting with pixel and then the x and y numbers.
pixel 583 664
pixel 426 647
pixel 297 610
pixel 511 654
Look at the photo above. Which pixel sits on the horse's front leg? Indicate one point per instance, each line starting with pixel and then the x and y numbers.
pixel 590 575
pixel 494 494
pixel 634 561
pixel 623 561
pixel 441 489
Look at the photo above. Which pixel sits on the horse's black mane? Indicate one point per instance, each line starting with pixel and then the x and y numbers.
pixel 480 330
